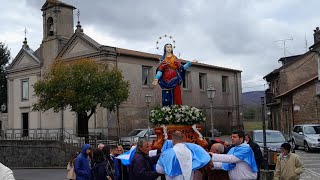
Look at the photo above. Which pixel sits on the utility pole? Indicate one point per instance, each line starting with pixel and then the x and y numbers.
pixel 317 85
pixel 306 42
pixel 265 148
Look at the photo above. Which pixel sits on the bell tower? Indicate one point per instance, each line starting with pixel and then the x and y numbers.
pixel 57 20
pixel 57 29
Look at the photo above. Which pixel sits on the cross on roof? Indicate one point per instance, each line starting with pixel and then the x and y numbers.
pixel 78 14
pixel 25 33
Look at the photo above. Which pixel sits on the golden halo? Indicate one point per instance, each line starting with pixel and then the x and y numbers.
pixel 173 42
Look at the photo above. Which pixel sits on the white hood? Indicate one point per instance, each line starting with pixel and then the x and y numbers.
pixel 6 173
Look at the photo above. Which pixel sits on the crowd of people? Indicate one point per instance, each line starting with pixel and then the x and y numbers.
pixel 179 160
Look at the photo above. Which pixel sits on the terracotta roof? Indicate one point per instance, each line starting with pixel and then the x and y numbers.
pixel 156 57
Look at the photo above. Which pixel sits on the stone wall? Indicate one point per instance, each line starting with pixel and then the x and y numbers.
pixel 308 103
pixel 35 153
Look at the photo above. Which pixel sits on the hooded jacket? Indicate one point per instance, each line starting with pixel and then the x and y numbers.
pixel 82 165
pixel 6 173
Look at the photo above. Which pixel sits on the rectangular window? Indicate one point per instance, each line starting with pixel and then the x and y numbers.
pixel 202 81
pixel 146 75
pixel 186 81
pixel 25 89
pixel 225 84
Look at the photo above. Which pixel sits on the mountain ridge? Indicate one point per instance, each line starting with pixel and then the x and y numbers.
pixel 252 98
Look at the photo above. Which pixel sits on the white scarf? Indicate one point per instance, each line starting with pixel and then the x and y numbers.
pixel 184 157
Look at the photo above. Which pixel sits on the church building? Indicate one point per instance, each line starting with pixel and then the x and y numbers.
pixel 64 40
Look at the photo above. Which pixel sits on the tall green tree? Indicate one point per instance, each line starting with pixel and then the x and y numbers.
pixel 81 85
pixel 4 60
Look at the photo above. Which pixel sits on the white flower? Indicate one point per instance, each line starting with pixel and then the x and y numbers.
pixel 176 114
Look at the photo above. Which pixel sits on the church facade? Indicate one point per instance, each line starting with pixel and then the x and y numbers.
pixel 61 41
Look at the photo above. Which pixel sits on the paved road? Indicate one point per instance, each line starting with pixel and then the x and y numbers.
pixel 40 174
pixel 311 163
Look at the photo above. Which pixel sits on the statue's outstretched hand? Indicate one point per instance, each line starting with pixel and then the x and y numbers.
pixel 155 82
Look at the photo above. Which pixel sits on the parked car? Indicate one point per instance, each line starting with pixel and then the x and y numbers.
pixel 274 140
pixel 134 136
pixel 307 136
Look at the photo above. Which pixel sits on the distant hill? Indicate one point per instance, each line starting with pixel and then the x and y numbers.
pixel 252 98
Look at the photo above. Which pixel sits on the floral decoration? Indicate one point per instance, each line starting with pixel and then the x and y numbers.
pixel 176 114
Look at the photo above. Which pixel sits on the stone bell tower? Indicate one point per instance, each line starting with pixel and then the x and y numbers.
pixel 57 19
pixel 58 27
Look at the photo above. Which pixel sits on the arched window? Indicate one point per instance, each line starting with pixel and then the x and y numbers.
pixel 50 26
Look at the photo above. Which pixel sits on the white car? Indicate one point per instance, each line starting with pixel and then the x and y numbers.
pixel 306 136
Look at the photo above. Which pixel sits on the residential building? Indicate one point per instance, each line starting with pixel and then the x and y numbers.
pixel 293 97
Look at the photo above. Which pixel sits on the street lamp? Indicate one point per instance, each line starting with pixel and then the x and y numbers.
pixel 211 92
pixel 148 101
pixel 265 148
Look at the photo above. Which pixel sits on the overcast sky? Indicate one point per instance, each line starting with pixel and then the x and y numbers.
pixel 238 34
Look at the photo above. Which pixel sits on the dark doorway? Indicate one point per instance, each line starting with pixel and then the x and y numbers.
pixel 25 124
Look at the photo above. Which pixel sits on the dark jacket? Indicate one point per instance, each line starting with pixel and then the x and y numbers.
pixel 210 174
pixel 116 166
pixel 99 170
pixel 226 150
pixel 82 167
pixel 257 153
pixel 123 171
pixel 142 167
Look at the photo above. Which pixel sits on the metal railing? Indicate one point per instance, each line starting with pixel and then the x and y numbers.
pixel 67 136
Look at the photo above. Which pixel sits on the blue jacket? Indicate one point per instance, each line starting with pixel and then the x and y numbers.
pixel 82 166
pixel 244 153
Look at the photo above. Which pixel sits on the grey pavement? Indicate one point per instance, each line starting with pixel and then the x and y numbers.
pixel 40 174
pixel 311 163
